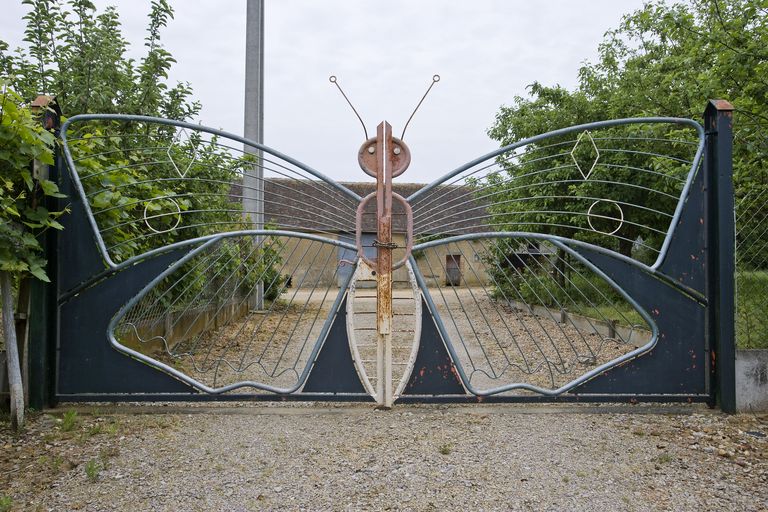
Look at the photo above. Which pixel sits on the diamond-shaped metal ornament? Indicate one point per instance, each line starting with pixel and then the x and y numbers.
pixel 182 138
pixel 597 154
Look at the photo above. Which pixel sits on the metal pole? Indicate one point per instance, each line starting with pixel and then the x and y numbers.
pixel 253 181
pixel 384 264
pixel 718 122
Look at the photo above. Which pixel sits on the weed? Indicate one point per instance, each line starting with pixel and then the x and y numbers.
pixel 445 449
pixel 566 479
pixel 92 470
pixel 581 474
pixel 113 428
pixel 69 421
pixel 6 502
pixel 664 458
pixel 95 429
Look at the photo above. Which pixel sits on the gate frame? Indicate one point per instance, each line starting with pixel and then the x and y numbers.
pixel 720 329
pixel 721 291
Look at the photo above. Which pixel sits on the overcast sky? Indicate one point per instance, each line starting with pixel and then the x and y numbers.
pixel 384 55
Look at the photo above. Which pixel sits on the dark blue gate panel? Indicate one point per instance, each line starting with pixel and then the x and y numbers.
pixel 678 363
pixel 88 364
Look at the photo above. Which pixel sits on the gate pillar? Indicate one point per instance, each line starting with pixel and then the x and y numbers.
pixel 718 165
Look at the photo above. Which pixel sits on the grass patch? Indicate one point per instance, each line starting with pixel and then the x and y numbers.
pixel 623 314
pixel 6 502
pixel 92 470
pixel 751 317
pixel 445 449
pixel 69 421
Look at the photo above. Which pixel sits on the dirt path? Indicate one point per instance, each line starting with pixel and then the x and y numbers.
pixel 350 457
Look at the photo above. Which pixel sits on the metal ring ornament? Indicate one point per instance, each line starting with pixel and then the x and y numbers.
pixel 620 219
pixel 408 231
pixel 178 215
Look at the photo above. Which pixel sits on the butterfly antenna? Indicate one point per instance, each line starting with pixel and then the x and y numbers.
pixel 435 79
pixel 335 82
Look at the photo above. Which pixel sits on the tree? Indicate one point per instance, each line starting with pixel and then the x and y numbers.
pixel 22 214
pixel 140 178
pixel 79 56
pixel 663 60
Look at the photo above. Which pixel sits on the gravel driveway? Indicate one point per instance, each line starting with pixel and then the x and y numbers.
pixel 350 457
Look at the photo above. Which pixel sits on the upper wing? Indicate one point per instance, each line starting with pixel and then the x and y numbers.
pixel 618 184
pixel 151 183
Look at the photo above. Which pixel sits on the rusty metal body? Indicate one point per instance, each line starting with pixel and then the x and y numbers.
pixel 384 157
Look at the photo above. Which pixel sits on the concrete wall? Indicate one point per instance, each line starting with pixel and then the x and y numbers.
pixel 752 380
pixel 431 262
pixel 177 327
pixel 306 259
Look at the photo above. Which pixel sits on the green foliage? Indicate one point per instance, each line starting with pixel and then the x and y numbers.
pixel 130 171
pixel 69 421
pixel 542 190
pixel 663 60
pixel 522 273
pixel 751 323
pixel 537 287
pixel 79 55
pixel 92 470
pixel 22 210
pixel 6 503
pixel 668 59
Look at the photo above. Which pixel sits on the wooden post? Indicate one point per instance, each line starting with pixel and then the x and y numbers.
pixel 12 352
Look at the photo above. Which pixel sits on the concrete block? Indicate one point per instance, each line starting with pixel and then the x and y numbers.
pixel 752 380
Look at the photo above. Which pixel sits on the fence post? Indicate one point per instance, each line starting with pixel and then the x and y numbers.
pixel 43 315
pixel 718 123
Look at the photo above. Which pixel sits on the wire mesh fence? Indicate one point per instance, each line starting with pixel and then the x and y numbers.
pixel 751 190
pixel 752 269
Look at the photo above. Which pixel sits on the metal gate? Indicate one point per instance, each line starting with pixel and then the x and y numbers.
pixel 596 265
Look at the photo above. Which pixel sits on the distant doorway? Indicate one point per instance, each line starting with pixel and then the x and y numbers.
pixel 452 270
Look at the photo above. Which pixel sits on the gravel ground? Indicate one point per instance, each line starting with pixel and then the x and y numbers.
pixel 350 457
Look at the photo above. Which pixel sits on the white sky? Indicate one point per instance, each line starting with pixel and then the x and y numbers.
pixel 384 55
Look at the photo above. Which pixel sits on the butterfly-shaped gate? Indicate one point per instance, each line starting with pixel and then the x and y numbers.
pixel 574 265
